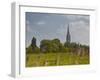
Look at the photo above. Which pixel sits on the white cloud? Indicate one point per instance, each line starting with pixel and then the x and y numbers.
pixel 79 24
pixel 74 18
pixel 40 23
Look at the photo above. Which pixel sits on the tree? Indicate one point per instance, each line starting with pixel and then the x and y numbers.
pixel 51 46
pixel 56 45
pixel 29 49
pixel 33 42
pixel 33 47
pixel 36 50
pixel 45 46
pixel 70 45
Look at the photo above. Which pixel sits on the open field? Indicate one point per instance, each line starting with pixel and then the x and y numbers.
pixel 55 59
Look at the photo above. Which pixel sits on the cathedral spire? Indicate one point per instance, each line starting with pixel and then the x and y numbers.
pixel 68 38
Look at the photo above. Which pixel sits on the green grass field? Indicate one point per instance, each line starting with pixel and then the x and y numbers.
pixel 55 59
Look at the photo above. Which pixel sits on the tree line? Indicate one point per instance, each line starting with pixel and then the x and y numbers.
pixel 55 46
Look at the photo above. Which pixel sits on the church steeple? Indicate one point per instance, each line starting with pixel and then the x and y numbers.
pixel 68 38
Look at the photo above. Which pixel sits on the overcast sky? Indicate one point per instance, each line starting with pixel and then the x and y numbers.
pixel 50 26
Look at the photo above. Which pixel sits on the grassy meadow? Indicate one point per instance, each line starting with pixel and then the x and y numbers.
pixel 55 59
pixel 55 53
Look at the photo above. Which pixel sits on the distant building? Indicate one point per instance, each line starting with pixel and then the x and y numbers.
pixel 68 37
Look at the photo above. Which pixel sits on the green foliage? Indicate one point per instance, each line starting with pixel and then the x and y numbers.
pixel 33 48
pixel 36 50
pixel 29 49
pixel 55 46
pixel 71 45
pixel 33 42
pixel 45 46
pixel 50 46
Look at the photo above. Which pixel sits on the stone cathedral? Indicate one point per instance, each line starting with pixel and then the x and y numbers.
pixel 68 36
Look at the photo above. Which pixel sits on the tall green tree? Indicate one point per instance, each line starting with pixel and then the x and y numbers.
pixel 33 47
pixel 33 42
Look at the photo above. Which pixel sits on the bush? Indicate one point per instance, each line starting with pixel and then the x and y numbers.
pixel 50 46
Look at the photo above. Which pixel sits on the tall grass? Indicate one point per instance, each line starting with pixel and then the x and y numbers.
pixel 55 59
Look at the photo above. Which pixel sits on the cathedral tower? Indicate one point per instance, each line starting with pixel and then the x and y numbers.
pixel 68 37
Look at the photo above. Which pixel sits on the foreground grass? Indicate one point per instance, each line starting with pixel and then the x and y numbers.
pixel 55 59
